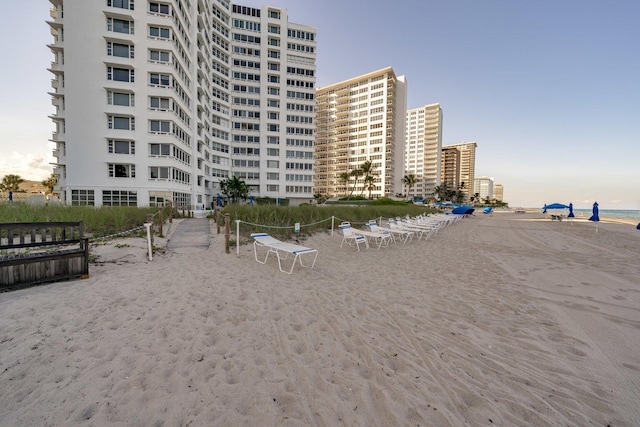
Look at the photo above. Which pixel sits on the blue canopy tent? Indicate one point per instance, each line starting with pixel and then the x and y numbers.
pixel 555 207
pixel 463 210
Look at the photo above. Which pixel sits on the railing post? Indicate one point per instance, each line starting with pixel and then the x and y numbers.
pixel 237 237
pixel 160 222
pixel 227 232
pixel 150 221
pixel 218 219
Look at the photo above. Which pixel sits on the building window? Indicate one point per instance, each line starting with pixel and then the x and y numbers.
pixel 159 56
pixel 120 170
pixel 120 49
pixel 119 26
pixel 82 198
pixel 159 103
pixel 160 8
pixel 159 149
pixel 159 126
pixel 120 74
pixel 119 198
pixel 120 98
pixel 121 122
pixel 159 33
pixel 158 172
pixel 117 146
pixel 122 4
pixel 159 198
pixel 156 79
pixel 275 14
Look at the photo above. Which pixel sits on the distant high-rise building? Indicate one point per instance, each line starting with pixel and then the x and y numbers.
pixel 483 186
pixel 450 167
pixel 423 149
pixel 161 101
pixel 498 192
pixel 358 120
pixel 465 160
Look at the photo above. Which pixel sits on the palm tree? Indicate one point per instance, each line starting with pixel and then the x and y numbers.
pixel 344 178
pixel 409 180
pixel 367 169
pixel 369 182
pixel 441 192
pixel 357 173
pixel 50 183
pixel 11 183
pixel 235 189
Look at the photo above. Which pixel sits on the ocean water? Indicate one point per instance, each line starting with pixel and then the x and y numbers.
pixel 611 214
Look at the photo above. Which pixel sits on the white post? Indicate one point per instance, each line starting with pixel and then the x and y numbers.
pixel 237 237
pixel 148 226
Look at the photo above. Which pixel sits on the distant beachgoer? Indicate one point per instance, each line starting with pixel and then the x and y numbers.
pixel 10 196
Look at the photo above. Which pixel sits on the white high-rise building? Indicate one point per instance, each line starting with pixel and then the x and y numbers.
pixel 423 150
pixel 358 120
pixel 159 101
pixel 483 186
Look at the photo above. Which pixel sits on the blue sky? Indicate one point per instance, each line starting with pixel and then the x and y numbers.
pixel 549 89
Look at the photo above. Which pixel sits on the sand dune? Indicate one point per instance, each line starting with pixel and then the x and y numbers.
pixel 497 320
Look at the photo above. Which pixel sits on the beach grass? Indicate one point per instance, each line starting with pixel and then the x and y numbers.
pixel 277 220
pixel 97 222
pixel 280 221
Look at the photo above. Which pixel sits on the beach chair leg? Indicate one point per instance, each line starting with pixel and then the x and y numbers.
pixel 255 252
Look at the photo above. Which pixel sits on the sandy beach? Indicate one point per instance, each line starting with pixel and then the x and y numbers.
pixel 503 319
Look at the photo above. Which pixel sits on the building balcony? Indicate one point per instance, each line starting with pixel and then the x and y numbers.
pixel 57 137
pixel 56 68
pixel 56 46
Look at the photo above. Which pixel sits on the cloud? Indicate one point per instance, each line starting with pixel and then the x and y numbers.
pixel 32 166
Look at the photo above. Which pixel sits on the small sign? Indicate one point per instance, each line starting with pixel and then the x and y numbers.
pixel 296 228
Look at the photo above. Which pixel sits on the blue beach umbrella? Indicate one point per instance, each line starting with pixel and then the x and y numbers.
pixel 594 217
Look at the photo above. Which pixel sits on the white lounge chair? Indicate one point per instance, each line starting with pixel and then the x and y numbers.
pixel 350 236
pixel 379 239
pixel 386 234
pixel 281 249
pixel 404 235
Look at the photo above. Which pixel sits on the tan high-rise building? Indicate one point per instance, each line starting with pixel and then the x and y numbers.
pixel 450 167
pixel 358 120
pixel 463 177
pixel 423 149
